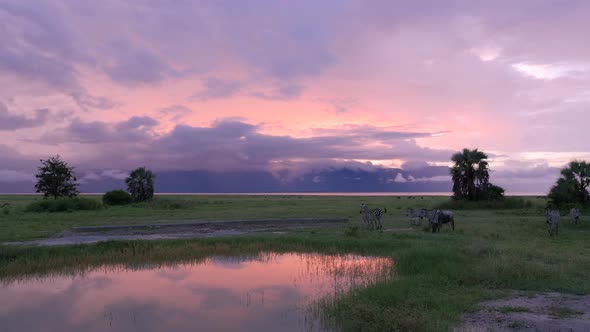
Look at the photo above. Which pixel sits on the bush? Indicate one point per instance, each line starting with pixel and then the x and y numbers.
pixel 504 203
pixel 116 197
pixel 63 205
pixel 352 231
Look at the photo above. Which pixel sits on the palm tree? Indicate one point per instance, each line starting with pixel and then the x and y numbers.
pixel 469 174
pixel 572 185
pixel 140 184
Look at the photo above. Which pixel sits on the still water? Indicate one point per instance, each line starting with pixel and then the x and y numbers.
pixel 267 292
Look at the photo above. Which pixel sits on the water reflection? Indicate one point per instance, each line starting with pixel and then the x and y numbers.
pixel 268 292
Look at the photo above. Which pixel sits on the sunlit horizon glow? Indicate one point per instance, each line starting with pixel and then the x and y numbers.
pixel 301 85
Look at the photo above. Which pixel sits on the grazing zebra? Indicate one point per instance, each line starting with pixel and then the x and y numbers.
pixel 552 219
pixel 373 218
pixel 574 215
pixel 441 217
pixel 415 215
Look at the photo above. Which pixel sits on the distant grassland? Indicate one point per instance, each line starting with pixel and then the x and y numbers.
pixel 438 276
pixel 17 225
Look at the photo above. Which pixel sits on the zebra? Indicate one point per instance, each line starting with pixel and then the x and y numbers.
pixel 552 219
pixel 440 217
pixel 415 215
pixel 373 218
pixel 574 215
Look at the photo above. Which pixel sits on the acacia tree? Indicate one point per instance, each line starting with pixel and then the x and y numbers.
pixel 55 178
pixel 471 176
pixel 572 185
pixel 140 184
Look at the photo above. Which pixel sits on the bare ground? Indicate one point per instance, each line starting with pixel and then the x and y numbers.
pixel 542 312
pixel 186 230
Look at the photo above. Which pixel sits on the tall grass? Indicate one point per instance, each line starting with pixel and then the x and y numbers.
pixel 63 205
pixel 505 203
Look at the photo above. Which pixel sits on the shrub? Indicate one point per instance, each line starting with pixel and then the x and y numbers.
pixel 116 197
pixel 352 231
pixel 63 205
pixel 505 203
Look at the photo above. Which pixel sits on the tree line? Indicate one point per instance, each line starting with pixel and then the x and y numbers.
pixel 55 178
pixel 470 175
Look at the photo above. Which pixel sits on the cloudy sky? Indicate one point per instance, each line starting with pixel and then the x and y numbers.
pixel 294 86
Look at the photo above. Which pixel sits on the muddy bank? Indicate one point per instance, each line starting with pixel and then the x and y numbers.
pixel 181 230
pixel 544 312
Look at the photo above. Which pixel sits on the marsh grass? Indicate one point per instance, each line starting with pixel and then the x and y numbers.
pixel 563 312
pixel 437 276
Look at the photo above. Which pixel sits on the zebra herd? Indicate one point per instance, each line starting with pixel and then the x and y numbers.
pixel 552 218
pixel 372 218
pixel 436 218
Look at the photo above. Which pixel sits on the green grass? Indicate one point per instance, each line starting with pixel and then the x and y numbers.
pixel 18 224
pixel 505 203
pixel 437 276
pixel 63 205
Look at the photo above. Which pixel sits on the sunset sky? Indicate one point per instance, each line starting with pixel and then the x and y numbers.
pixel 294 86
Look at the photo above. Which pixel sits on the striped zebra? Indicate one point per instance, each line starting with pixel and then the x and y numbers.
pixel 552 219
pixel 373 218
pixel 441 217
pixel 415 215
pixel 574 215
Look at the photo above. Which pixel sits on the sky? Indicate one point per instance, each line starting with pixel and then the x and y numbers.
pixel 292 87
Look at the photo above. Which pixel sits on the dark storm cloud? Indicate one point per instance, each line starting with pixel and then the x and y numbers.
pixel 231 144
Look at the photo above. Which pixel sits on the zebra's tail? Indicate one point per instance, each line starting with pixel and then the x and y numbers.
pixel 384 210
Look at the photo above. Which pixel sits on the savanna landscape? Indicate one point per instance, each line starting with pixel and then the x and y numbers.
pixel 297 165
pixel 437 276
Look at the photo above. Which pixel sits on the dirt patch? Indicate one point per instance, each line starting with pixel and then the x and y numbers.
pixel 180 230
pixel 543 312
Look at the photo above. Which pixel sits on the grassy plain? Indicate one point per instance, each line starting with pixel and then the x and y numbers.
pixel 438 276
